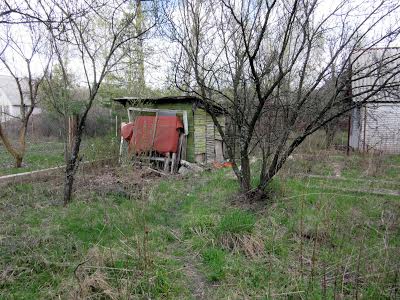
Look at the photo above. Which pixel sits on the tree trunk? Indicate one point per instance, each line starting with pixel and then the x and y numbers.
pixel 245 179
pixel 70 174
pixel 69 182
pixel 72 162
pixel 18 161
pixel 17 155
pixel 65 138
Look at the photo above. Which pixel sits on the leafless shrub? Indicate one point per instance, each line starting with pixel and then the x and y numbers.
pixel 264 64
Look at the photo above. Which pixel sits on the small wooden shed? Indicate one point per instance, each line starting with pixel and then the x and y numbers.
pixel 204 143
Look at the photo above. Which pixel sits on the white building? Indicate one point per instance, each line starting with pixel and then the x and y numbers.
pixel 375 125
pixel 10 100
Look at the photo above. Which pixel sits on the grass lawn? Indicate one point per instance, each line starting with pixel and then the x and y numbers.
pixel 38 156
pixel 47 154
pixel 128 236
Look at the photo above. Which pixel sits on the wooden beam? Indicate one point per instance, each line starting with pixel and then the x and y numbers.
pixel 173 162
pixel 166 162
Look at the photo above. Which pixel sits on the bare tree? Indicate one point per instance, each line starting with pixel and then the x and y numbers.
pixel 95 36
pixel 264 63
pixel 20 52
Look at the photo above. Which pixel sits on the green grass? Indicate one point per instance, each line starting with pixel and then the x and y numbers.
pixel 38 156
pixel 42 243
pixel 237 221
pixel 42 155
pixel 178 236
pixel 214 260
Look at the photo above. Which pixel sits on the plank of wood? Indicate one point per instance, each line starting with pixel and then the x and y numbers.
pixel 179 153
pixel 156 171
pixel 184 148
pixel 173 162
pixel 166 162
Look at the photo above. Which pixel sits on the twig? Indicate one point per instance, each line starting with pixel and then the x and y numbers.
pixel 76 275
pixel 159 172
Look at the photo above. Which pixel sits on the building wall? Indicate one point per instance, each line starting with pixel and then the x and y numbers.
pixel 355 128
pixel 382 130
pixel 10 101
pixel 10 112
pixel 210 139
pixel 199 134
pixel 206 136
pixel 5 107
pixel 376 127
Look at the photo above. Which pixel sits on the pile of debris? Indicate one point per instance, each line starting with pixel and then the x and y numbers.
pixel 187 167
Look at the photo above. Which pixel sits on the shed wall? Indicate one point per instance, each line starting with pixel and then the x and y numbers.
pixel 205 136
pixel 199 131
pixel 210 139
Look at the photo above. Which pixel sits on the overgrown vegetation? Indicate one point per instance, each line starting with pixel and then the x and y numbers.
pixel 48 154
pixel 126 238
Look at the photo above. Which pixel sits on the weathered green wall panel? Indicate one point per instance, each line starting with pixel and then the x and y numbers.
pixel 199 131
pixel 210 139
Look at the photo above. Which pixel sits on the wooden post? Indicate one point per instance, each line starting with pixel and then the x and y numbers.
pixel 179 153
pixel 154 136
pixel 72 128
pixel 166 162
pixel 116 126
pixel 365 126
pixel 121 144
pixel 173 163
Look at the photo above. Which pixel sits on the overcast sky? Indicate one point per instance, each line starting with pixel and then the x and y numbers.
pixel 157 61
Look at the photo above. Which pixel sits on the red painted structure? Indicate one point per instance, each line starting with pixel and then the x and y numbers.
pixel 153 133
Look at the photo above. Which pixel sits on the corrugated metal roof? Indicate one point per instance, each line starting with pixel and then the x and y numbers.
pixel 373 69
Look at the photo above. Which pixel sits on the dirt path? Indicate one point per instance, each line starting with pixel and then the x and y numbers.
pixel 198 284
pixel 377 191
pixel 344 178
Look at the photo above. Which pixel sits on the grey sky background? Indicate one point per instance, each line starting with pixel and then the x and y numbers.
pixel 158 58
